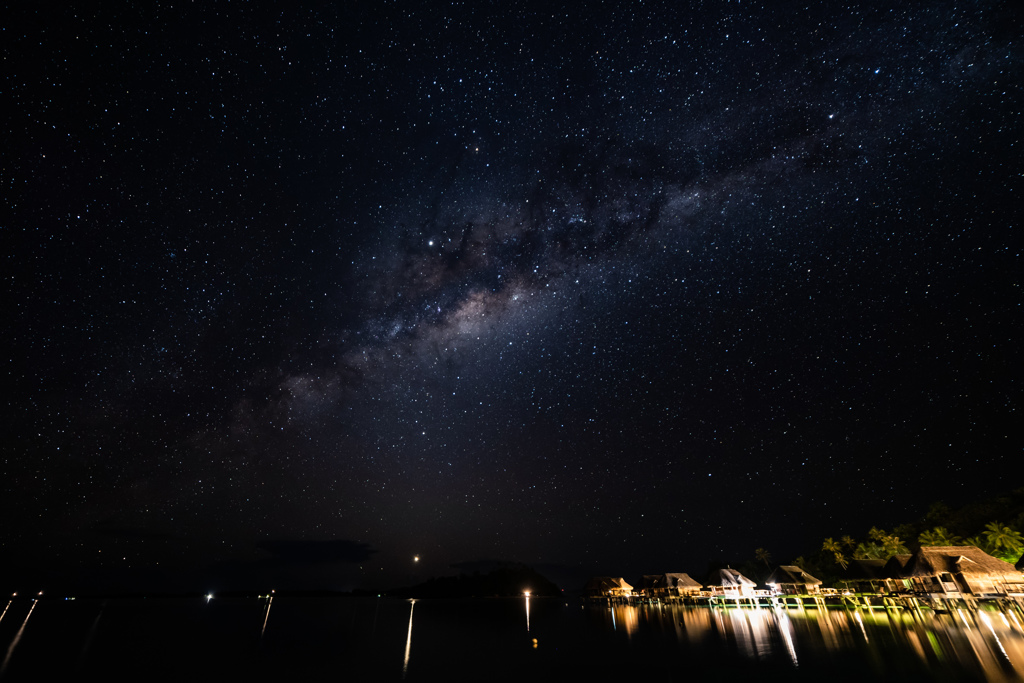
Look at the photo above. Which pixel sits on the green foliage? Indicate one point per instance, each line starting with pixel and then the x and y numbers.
pixel 938 536
pixel 942 525
pixel 869 551
pixel 889 543
pixel 1006 543
pixel 831 546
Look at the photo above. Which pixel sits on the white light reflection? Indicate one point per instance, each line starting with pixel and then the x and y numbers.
pixel 14 643
pixel 860 622
pixel 526 594
pixel 988 622
pixel 787 637
pixel 408 640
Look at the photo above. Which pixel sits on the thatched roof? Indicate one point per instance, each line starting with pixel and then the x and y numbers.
pixel 670 581
pixel 958 559
pixel 865 570
pixel 790 573
pixel 728 577
pixel 894 567
pixel 605 584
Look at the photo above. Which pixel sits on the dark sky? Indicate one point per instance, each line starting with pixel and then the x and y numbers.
pixel 295 292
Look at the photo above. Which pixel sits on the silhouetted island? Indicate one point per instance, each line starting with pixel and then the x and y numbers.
pixel 511 581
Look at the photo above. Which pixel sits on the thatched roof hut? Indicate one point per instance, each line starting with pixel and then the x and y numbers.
pixel 792 580
pixel 663 585
pixel 893 569
pixel 865 576
pixel 729 581
pixel 959 569
pixel 607 586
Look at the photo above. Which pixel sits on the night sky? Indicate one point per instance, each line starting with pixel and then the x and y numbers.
pixel 296 291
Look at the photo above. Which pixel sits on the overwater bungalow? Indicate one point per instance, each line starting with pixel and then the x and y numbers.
pixel 788 579
pixel 669 585
pixel 607 587
pixel 730 582
pixel 866 576
pixel 960 570
pixel 893 570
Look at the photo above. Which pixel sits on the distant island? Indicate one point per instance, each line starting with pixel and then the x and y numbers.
pixel 503 582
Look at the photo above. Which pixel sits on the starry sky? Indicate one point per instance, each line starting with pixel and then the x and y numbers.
pixel 297 291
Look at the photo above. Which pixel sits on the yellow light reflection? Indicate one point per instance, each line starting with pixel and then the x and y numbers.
pixel 270 600
pixel 408 640
pixel 984 643
pixel 14 643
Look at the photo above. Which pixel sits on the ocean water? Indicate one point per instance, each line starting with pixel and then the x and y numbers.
pixel 536 639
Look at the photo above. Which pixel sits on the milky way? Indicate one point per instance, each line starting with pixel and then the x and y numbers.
pixel 621 291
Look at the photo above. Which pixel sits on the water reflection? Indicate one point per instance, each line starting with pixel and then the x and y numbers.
pixel 6 608
pixel 266 615
pixel 988 642
pixel 17 637
pixel 408 640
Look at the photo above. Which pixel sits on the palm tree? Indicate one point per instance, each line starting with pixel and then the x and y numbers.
pixel 890 544
pixel 939 536
pixel 981 542
pixel 831 546
pixel 868 551
pixel 1005 541
pixel 764 556
pixel 894 546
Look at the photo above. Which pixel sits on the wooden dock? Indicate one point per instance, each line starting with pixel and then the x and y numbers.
pixel 940 603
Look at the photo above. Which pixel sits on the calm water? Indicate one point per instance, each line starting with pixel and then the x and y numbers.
pixel 508 640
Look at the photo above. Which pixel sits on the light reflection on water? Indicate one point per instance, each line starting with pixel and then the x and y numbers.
pixel 989 642
pixel 516 639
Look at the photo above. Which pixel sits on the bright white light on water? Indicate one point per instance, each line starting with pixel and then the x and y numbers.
pixel 787 637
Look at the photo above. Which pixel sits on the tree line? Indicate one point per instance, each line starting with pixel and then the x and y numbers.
pixel 994 525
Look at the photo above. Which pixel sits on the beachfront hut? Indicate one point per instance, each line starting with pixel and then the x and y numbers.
pixel 788 579
pixel 669 585
pixel 607 587
pixel 729 582
pixel 960 570
pixel 865 576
